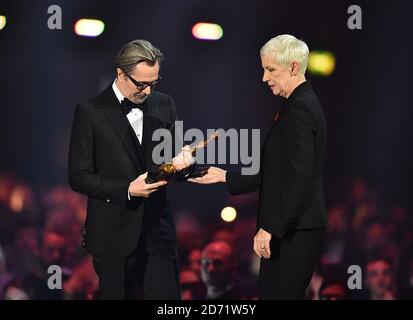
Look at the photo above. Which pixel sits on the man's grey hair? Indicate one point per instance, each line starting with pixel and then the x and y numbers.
pixel 135 52
pixel 286 49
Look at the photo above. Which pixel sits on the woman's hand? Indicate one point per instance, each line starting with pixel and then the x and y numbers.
pixel 214 175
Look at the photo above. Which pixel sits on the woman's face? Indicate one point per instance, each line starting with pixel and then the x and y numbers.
pixel 277 76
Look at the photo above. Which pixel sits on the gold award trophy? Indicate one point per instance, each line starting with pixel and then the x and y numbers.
pixel 167 170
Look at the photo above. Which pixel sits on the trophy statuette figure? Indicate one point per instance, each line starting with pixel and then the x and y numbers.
pixel 167 170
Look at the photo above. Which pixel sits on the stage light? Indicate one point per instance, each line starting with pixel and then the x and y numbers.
pixel 2 22
pixel 228 214
pixel 321 63
pixel 89 27
pixel 207 31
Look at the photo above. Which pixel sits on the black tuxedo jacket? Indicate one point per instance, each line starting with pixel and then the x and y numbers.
pixel 104 157
pixel 290 177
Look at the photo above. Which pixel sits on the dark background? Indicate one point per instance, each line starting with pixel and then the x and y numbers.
pixel 45 73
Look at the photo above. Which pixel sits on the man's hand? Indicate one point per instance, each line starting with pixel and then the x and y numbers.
pixel 139 188
pixel 214 175
pixel 262 243
pixel 184 159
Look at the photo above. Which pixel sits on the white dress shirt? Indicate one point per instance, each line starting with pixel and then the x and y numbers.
pixel 135 116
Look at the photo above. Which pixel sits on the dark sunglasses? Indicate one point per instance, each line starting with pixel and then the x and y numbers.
pixel 143 85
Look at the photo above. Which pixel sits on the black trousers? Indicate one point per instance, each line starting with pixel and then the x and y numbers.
pixel 287 273
pixel 150 272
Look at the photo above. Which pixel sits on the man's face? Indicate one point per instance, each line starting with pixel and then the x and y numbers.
pixel 195 260
pixel 217 267
pixel 277 76
pixel 379 277
pixel 54 248
pixel 143 72
pixel 337 220
pixel 333 292
pixel 375 236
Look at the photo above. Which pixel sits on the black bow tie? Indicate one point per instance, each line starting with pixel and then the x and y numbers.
pixel 128 105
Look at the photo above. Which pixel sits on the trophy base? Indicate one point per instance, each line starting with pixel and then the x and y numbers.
pixel 163 172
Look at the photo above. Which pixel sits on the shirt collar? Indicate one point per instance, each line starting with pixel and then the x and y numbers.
pixel 117 92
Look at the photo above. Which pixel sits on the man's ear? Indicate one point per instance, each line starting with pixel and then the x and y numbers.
pixel 119 72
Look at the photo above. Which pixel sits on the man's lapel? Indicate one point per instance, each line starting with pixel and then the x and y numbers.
pixel 150 124
pixel 111 108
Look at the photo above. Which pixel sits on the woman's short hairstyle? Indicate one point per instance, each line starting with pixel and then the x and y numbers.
pixel 286 49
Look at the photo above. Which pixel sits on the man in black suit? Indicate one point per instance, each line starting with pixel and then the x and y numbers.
pixel 129 229
pixel 292 217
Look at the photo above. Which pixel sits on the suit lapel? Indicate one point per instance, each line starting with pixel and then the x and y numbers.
pixel 111 108
pixel 149 125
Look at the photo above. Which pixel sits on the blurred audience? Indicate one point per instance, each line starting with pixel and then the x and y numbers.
pixel 194 260
pixel 17 289
pixel 83 283
pixel 334 290
pixel 40 228
pixel 192 288
pixel 53 247
pixel 219 272
pixel 380 280
pixel 5 276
